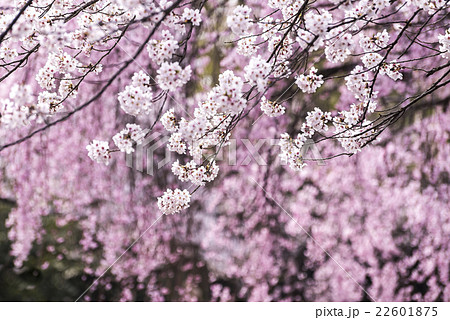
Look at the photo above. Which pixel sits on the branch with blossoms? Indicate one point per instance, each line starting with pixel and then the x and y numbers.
pixel 365 52
pixel 24 111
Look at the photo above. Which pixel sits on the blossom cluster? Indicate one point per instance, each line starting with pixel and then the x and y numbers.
pixel 126 138
pixel 18 110
pixel 239 21
pixel 270 108
pixel 371 60
pixel 444 40
pixel 256 73
pixel 359 84
pixel 375 42
pixel 340 45
pixel 136 99
pixel 247 46
pixel 311 82
pixel 162 50
pixel 62 65
pixel 172 76
pixel 173 201
pixel 169 120
pixel 207 130
pixel 192 15
pixel 99 151
pixel 197 175
pixel 226 98
pixel 392 70
pixel 291 151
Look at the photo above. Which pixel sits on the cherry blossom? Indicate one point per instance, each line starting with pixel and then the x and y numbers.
pixel 270 108
pixel 99 151
pixel 171 76
pixel 173 201
pixel 333 112
pixel 444 40
pixel 256 73
pixel 311 82
pixel 127 137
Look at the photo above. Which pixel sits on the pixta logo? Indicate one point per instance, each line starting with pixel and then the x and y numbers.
pixel 153 153
pixel 144 159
